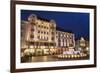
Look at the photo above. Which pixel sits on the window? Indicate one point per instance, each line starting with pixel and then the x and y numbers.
pixel 56 33
pixel 44 38
pixel 42 26
pixel 47 32
pixel 32 36
pixel 32 23
pixel 38 37
pixel 62 40
pixel 52 27
pixel 41 31
pixel 64 35
pixel 52 33
pixel 44 32
pixel 39 26
pixel 41 37
pixel 38 31
pixel 47 38
pixel 52 38
pixel 61 35
pixel 56 36
pixel 36 23
pixel 47 27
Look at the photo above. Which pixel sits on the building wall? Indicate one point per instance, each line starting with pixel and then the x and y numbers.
pixel 25 32
pixel 64 39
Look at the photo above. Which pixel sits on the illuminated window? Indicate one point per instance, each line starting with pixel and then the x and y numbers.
pixel 41 37
pixel 67 36
pixel 64 35
pixel 44 38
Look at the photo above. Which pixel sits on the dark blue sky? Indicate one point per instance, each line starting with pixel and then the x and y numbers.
pixel 78 23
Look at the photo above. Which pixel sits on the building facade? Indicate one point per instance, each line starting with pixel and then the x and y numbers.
pixel 64 40
pixel 43 37
pixel 82 45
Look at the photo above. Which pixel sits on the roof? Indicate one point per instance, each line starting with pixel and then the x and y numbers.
pixel 43 19
pixel 64 30
pixel 38 17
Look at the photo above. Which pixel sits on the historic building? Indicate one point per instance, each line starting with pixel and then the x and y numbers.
pixel 39 34
pixel 82 45
pixel 64 39
pixel 43 36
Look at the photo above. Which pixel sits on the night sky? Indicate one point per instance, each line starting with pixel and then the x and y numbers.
pixel 78 23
